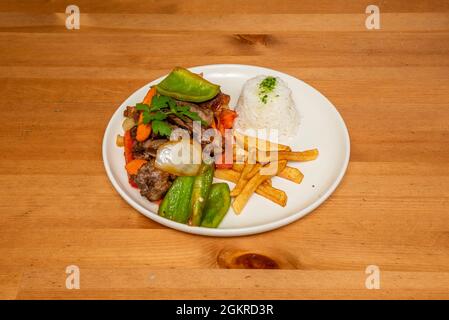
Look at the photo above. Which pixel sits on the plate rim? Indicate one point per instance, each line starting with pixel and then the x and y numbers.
pixel 231 232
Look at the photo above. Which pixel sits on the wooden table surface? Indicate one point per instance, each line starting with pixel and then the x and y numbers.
pixel 60 87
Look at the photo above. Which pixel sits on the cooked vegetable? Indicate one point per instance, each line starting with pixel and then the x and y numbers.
pixel 217 205
pixel 300 156
pixel 176 205
pixel 250 168
pixel 132 183
pixel 254 171
pixel 265 189
pixel 263 145
pixel 143 130
pixel 289 173
pixel 278 196
pixel 149 96
pixel 200 192
pixel 238 166
pixel 162 107
pixel 180 158
pixel 292 174
pixel 119 141
pixel 133 166
pixel 128 123
pixel 128 146
pixel 184 85
pixel 226 120
pixel 243 180
pixel 241 200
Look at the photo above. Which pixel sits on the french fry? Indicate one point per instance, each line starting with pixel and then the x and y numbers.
pixel 263 145
pixel 289 173
pixel 250 187
pixel 254 171
pixel 265 189
pixel 227 174
pixel 292 174
pixel 276 195
pixel 238 167
pixel 242 179
pixel 301 156
pixel 248 167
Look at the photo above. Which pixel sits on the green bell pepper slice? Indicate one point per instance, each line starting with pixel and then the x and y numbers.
pixel 217 205
pixel 200 192
pixel 184 85
pixel 176 204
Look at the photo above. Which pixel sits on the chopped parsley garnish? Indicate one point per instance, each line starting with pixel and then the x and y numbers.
pixel 266 86
pixel 160 108
pixel 264 98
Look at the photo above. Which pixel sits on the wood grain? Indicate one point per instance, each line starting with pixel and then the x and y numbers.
pixel 59 88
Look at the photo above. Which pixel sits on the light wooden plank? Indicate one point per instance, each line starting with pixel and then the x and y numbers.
pixel 239 23
pixel 226 7
pixel 238 284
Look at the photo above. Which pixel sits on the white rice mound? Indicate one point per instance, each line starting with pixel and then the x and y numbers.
pixel 278 113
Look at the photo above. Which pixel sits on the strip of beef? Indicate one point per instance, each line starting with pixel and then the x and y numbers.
pixel 217 103
pixel 205 113
pixel 152 182
pixel 154 144
pixel 187 124
pixel 133 132
pixel 148 149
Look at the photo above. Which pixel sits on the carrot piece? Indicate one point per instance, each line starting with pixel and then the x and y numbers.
pixel 134 166
pixel 143 130
pixel 149 96
pixel 128 146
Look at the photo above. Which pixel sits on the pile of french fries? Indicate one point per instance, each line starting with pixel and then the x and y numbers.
pixel 256 162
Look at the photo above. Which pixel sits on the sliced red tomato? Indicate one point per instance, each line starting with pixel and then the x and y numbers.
pixel 128 146
pixel 226 120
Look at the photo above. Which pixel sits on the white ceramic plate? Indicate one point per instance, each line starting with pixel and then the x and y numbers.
pixel 321 127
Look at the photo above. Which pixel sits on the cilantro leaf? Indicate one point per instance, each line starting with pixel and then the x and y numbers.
pixel 159 102
pixel 147 117
pixel 160 108
pixel 142 107
pixel 161 128
pixel 158 116
pixel 194 116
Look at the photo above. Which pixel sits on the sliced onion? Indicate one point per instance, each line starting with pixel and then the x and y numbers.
pixel 128 123
pixel 181 158
pixel 119 141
